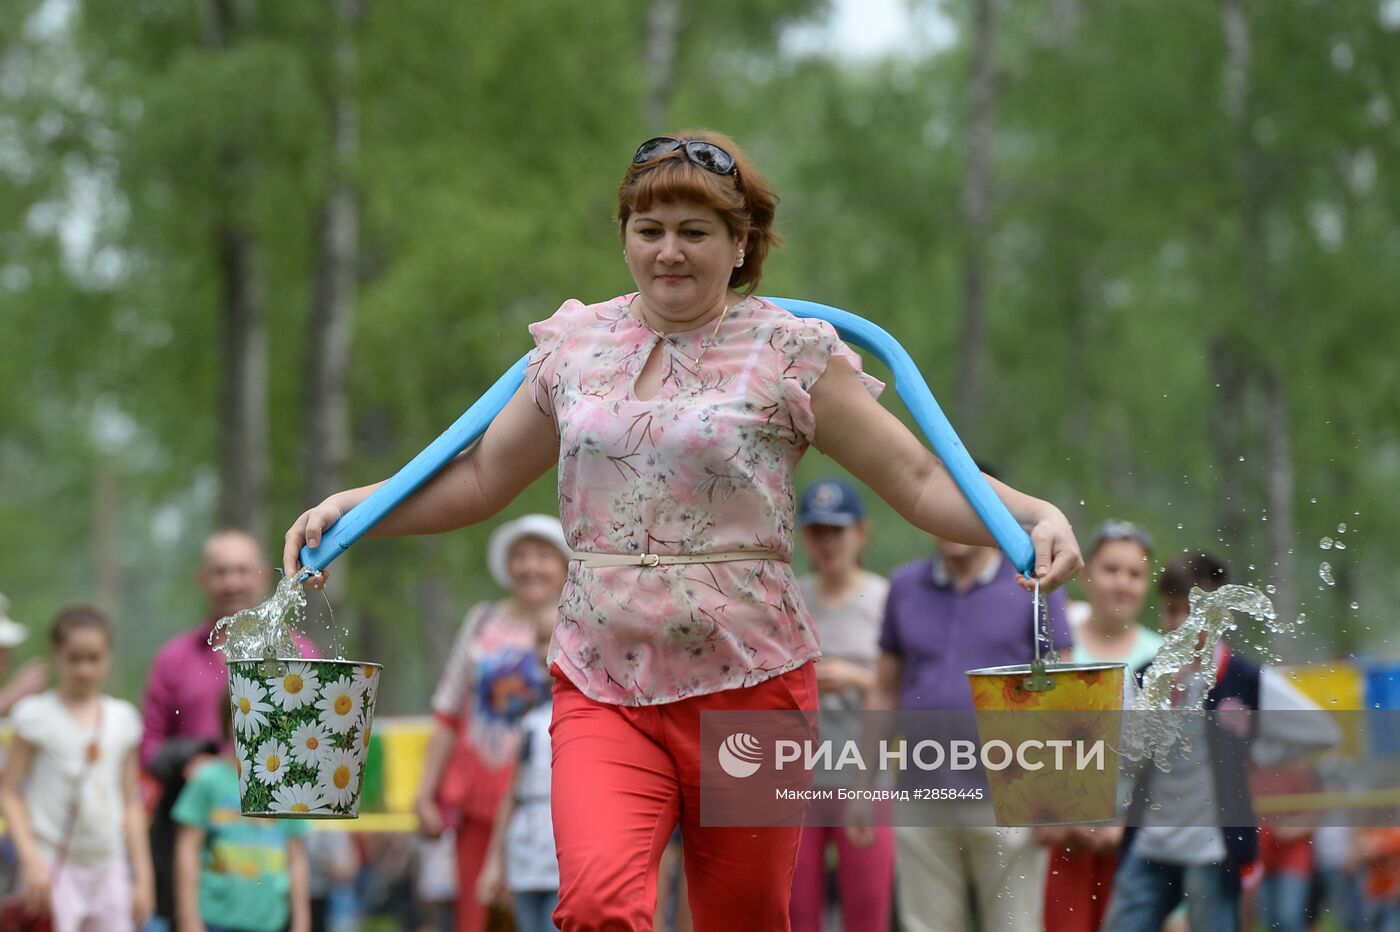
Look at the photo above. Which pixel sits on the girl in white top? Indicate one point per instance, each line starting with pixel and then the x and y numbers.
pixel 69 791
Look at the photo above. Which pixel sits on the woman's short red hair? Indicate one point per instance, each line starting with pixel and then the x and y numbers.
pixel 742 199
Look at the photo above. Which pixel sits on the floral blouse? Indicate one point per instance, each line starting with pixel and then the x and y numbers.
pixel 705 465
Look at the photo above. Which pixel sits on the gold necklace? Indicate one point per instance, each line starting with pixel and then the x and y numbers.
pixel 666 337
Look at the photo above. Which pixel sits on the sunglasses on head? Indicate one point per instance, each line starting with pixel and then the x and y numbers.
pixel 705 154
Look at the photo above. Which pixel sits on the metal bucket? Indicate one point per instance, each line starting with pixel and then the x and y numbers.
pixel 1046 784
pixel 301 731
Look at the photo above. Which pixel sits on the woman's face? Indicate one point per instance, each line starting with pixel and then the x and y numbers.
pixel 1116 579
pixel 81 662
pixel 681 256
pixel 537 570
pixel 834 549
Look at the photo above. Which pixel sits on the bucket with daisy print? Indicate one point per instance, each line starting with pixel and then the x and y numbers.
pixel 301 733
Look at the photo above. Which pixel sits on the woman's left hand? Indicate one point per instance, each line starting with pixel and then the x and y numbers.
pixel 1057 557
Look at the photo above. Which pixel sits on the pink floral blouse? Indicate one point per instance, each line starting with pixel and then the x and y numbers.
pixel 706 465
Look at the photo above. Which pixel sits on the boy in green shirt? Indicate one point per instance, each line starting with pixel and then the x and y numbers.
pixel 233 873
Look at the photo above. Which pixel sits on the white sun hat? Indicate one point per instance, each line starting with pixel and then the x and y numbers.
pixel 546 527
pixel 12 633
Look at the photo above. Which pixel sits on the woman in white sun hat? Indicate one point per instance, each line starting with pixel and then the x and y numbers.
pixel 491 677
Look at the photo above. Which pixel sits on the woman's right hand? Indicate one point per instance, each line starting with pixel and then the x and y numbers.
pixel 36 890
pixel 306 531
pixel 429 817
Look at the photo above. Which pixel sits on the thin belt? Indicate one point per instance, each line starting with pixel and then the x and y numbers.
pixel 673 559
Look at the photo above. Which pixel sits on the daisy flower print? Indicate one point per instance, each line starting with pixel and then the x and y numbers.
pixel 244 771
pixel 271 762
pixel 309 743
pixel 339 777
pixel 299 798
pixel 367 680
pixel 295 688
pixel 249 708
pixel 340 705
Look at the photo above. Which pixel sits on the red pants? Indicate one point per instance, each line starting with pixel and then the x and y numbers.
pixel 1077 890
pixel 473 838
pixel 865 877
pixel 623 777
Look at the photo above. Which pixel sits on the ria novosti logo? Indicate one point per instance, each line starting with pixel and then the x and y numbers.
pixel 740 755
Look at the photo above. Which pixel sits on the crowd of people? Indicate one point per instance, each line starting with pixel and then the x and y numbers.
pixel 563 773
pixel 89 848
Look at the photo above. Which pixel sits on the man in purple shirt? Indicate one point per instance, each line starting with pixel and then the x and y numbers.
pixel 188 679
pixel 187 689
pixel 947 614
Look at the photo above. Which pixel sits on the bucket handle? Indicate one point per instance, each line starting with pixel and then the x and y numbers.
pixel 909 384
pixel 1040 680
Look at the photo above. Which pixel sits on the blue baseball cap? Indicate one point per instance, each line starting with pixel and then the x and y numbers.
pixel 831 501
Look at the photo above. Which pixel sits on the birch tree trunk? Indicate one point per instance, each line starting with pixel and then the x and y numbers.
pixel 663 26
pixel 1263 305
pixel 976 216
pixel 243 454
pixel 334 288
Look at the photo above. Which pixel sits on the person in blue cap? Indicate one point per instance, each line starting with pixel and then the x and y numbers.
pixel 847 603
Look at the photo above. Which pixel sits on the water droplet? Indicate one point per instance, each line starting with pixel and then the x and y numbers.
pixel 1180 526
pixel 1341 528
pixel 1313 500
pixel 1339 545
pixel 1355 606
pixel 1271 589
pixel 1326 543
pixel 1324 572
pixel 1241 459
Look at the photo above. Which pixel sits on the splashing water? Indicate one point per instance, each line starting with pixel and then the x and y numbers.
pixel 1154 725
pixel 265 630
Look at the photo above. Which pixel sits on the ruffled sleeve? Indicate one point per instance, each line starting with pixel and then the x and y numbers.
pixel 542 367
pixel 28 720
pixel 808 346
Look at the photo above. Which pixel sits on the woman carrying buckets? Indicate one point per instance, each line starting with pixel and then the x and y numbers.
pixel 491 678
pixel 676 416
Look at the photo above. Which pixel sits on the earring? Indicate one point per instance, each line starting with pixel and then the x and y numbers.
pixel 624 255
pixel 739 261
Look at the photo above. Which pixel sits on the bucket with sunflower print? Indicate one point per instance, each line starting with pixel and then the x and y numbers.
pixel 1063 727
pixel 301 732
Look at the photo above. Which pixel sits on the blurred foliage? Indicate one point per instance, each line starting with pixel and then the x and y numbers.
pixel 491 142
